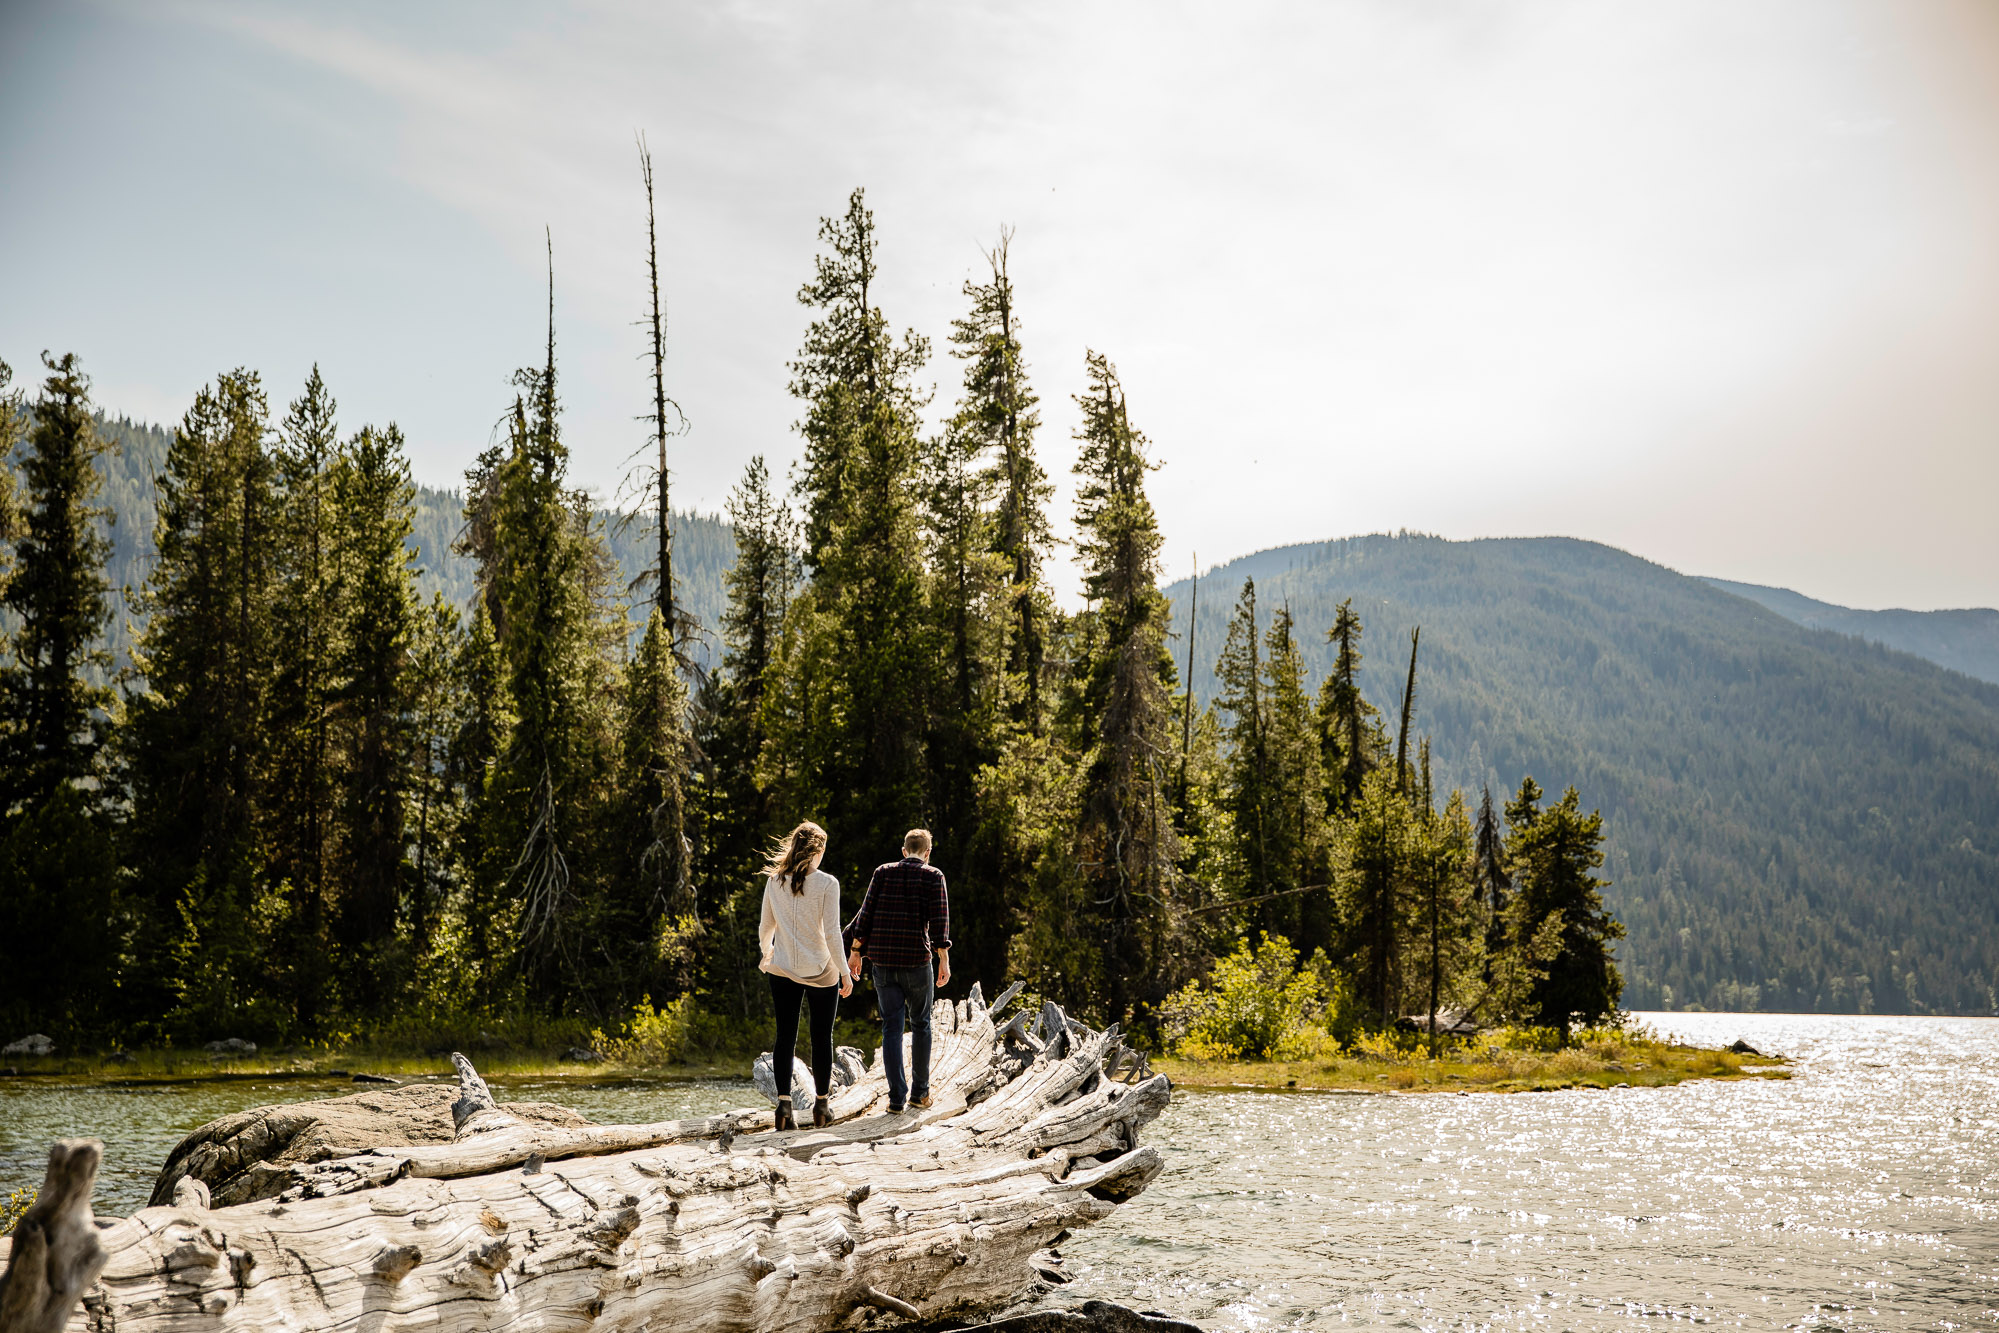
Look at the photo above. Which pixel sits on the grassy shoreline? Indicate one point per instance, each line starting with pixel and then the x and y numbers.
pixel 1638 1062
pixel 506 1060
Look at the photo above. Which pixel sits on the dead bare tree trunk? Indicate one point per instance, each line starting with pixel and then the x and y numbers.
pixel 714 1225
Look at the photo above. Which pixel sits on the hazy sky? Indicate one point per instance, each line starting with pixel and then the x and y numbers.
pixel 1717 283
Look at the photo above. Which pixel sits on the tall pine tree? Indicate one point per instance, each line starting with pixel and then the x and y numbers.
pixel 1126 845
pixel 864 640
pixel 1553 850
pixel 196 734
pixel 547 574
pixel 730 803
pixel 374 499
pixel 1239 671
pixel 53 709
pixel 1295 828
pixel 1350 743
pixel 56 845
pixel 306 616
pixel 1374 891
pixel 997 415
pixel 649 925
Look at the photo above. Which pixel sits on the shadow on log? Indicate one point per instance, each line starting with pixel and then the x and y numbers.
pixel 1090 1317
pixel 710 1225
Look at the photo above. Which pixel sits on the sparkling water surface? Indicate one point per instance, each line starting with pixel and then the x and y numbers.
pixel 1863 1193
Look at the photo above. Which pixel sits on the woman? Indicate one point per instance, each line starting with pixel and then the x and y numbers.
pixel 802 953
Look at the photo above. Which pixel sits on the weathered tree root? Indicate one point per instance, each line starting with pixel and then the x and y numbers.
pixel 716 1225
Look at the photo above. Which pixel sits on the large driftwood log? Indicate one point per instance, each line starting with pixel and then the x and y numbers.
pixel 714 1225
pixel 247 1156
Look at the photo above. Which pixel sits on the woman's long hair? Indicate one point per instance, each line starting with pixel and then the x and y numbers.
pixel 791 856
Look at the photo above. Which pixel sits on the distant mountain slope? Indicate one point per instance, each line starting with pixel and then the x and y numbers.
pixel 704 547
pixel 1966 640
pixel 1797 820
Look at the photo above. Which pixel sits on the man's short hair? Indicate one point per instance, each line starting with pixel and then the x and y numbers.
pixel 916 842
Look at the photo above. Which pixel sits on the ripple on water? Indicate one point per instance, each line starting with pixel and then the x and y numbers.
pixel 1860 1194
pixel 1863 1193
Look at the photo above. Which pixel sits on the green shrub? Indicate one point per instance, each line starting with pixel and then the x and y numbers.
pixel 1390 1045
pixel 1256 1005
pixel 652 1036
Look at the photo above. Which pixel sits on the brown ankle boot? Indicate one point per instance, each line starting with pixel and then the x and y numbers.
pixel 822 1115
pixel 785 1119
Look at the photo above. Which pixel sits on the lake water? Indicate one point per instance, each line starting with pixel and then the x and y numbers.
pixel 1861 1194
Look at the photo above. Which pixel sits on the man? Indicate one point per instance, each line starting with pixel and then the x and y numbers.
pixel 904 922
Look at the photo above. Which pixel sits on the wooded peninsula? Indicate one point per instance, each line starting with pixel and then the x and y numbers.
pixel 317 809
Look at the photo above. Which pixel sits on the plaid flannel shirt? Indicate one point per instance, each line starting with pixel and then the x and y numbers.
pixel 906 914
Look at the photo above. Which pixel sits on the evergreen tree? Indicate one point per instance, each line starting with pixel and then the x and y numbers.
pixel 1523 809
pixel 965 596
pixel 732 801
pixel 1125 844
pixel 548 572
pixel 849 372
pixel 992 534
pixel 727 803
pixel 305 615
pixel 482 845
pixel 56 847
pixel 1239 671
pixel 759 583
pixel 1553 851
pixel 1439 873
pixel 54 713
pixel 863 640
pixel 1492 886
pixel 968 600
pixel 996 419
pixel 436 708
pixel 1183 790
pixel 541 808
pixel 1349 725
pixel 374 498
pixel 195 735
pixel 1403 775
pixel 1372 883
pixel 649 924
pixel 1295 825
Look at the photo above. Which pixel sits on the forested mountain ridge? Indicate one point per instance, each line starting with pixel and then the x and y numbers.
pixel 1965 639
pixel 703 545
pixel 1796 819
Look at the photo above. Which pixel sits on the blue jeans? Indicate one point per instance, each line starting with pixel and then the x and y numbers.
pixel 905 994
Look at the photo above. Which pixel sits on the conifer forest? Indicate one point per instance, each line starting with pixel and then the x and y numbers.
pixel 302 798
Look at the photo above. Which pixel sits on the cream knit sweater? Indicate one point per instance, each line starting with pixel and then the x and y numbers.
pixel 800 932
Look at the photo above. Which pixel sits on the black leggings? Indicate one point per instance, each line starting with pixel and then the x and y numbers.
pixel 825 1002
